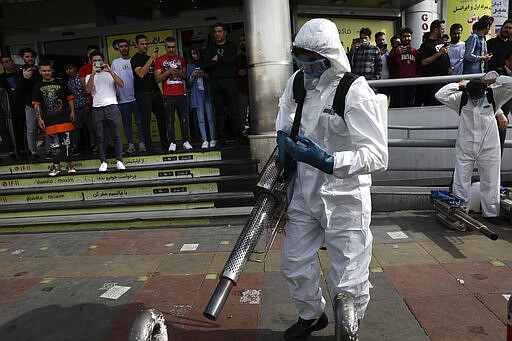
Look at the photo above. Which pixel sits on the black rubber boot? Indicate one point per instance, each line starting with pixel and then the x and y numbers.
pixel 303 328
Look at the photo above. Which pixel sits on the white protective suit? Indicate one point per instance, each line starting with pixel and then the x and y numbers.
pixel 478 142
pixel 331 210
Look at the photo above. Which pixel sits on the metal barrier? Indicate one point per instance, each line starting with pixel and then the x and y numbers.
pixel 381 83
pixel 407 141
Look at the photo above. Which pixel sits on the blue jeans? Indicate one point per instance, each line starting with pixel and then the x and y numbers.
pixel 126 112
pixel 205 106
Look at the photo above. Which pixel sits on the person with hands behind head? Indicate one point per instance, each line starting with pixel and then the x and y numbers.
pixel 55 112
pixel 477 137
pixel 336 154
pixel 101 83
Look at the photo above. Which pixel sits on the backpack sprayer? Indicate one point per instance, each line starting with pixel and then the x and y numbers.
pixel 451 212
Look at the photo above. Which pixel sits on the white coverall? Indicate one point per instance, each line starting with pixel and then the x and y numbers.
pixel 478 142
pixel 331 210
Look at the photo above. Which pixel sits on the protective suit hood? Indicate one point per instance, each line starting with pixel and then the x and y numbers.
pixel 321 36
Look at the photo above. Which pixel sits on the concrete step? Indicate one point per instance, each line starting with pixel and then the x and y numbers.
pixel 398 198
pixel 202 214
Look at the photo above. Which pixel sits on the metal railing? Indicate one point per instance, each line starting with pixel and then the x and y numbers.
pixel 409 142
pixel 381 83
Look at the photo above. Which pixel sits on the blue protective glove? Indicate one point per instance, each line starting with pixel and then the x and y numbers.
pixel 310 153
pixel 281 138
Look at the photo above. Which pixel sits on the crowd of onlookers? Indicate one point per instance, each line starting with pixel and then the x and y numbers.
pixel 439 54
pixel 85 111
pixel 207 90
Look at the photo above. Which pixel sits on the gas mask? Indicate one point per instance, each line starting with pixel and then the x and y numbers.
pixel 314 68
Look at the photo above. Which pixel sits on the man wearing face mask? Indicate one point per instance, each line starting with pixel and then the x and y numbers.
pixel 335 154
pixel 477 137
pixel 365 59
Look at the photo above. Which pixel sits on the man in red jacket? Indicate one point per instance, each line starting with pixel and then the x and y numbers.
pixel 402 64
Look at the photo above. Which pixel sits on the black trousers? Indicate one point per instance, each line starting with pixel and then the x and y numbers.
pixel 171 103
pixel 152 102
pixel 225 95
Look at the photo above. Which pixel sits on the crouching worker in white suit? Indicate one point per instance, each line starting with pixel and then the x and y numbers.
pixel 330 203
pixel 478 138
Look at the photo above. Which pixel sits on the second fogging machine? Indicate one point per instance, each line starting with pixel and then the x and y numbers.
pixel 451 211
pixel 268 212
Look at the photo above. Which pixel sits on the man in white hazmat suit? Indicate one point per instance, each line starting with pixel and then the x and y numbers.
pixel 478 138
pixel 330 202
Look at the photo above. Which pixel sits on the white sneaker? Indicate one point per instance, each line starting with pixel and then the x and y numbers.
pixel 120 165
pixel 142 147
pixel 205 145
pixel 187 145
pixel 172 147
pixel 103 167
pixel 213 143
pixel 131 148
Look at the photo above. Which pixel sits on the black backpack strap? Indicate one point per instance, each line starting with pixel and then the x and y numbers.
pixel 338 104
pixel 299 94
pixel 463 100
pixel 490 99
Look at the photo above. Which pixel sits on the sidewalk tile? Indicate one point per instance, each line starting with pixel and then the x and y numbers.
pixel 182 300
pixel 456 318
pixel 483 277
pixel 447 252
pixel 12 288
pixel 426 280
pixel 401 253
pixel 185 264
pixel 387 316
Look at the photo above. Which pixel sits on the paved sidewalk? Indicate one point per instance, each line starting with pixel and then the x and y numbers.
pixel 428 283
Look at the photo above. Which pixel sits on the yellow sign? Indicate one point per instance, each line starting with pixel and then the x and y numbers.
pixel 349 28
pixel 155 38
pixel 466 13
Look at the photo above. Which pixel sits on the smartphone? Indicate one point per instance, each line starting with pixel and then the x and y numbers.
pixel 446 44
pixel 97 65
pixel 156 49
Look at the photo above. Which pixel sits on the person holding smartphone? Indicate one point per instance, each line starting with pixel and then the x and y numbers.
pixel 171 70
pixel 476 54
pixel 101 83
pixel 201 98
pixel 147 92
pixel 434 60
pixel 27 77
pixel 402 64
pixel 365 59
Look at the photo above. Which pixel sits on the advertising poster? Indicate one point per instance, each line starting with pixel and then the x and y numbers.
pixel 155 38
pixel 466 13
pixel 499 13
pixel 349 28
